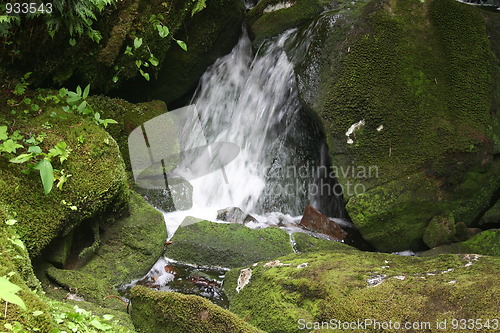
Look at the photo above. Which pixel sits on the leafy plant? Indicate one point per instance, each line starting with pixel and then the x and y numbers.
pixel 20 88
pixel 8 292
pixel 144 62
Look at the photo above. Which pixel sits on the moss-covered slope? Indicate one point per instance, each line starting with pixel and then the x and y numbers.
pixel 351 286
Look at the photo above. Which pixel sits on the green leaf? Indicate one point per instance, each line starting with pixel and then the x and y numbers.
pixel 108 317
pixel 200 5
pixel 182 44
pixel 100 326
pixel 10 146
pixel 137 42
pixel 138 63
pixel 72 41
pixel 46 174
pixel 82 107
pixel 27 101
pixel 86 91
pixel 37 313
pixel 17 242
pixel 3 133
pixel 8 292
pixel 97 116
pixel 146 75
pixel 22 158
pixel 163 30
pixel 115 79
pixel 128 50
pixel 35 150
pixel 35 107
pixel 79 91
pixel 73 99
pixel 153 60
pixel 16 136
pixel 61 150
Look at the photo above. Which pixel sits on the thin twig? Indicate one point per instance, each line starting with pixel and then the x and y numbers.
pixel 5 313
pixel 118 297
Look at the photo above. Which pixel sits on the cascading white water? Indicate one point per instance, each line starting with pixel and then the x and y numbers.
pixel 251 102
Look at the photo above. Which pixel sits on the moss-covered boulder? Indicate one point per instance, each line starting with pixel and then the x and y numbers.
pixel 486 243
pixel 303 243
pixel 128 249
pixel 16 265
pixel 351 286
pixel 227 244
pixel 97 186
pixel 492 216
pixel 406 89
pixel 159 311
pixel 272 17
pixel 440 230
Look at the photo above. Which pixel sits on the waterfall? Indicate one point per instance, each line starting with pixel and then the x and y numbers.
pixel 282 164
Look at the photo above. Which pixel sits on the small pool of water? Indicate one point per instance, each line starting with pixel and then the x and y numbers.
pixel 170 275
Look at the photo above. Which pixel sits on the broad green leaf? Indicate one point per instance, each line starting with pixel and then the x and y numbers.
pixel 163 30
pixel 73 99
pixel 97 324
pixel 108 317
pixel 35 150
pixel 79 91
pixel 138 63
pixel 182 45
pixel 8 292
pixel 10 146
pixel 72 41
pixel 16 136
pixel 82 107
pixel 137 42
pixel 17 242
pixel 3 133
pixel 115 79
pixel 22 158
pixel 86 91
pixel 97 116
pixel 46 174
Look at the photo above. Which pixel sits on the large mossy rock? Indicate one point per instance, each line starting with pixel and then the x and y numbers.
pixel 97 188
pixel 129 248
pixel 226 244
pixel 486 243
pixel 418 78
pixel 351 286
pixel 159 311
pixel 272 17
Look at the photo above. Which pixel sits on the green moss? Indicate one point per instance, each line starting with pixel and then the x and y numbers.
pixel 129 248
pixel 392 217
pixel 159 311
pixel 97 185
pixel 227 245
pixel 334 285
pixel 306 243
pixel 440 230
pixel 266 24
pixel 492 215
pixel 486 243
pixel 423 70
pixel 15 262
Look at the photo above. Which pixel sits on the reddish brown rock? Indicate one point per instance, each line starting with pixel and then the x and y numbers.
pixel 313 220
